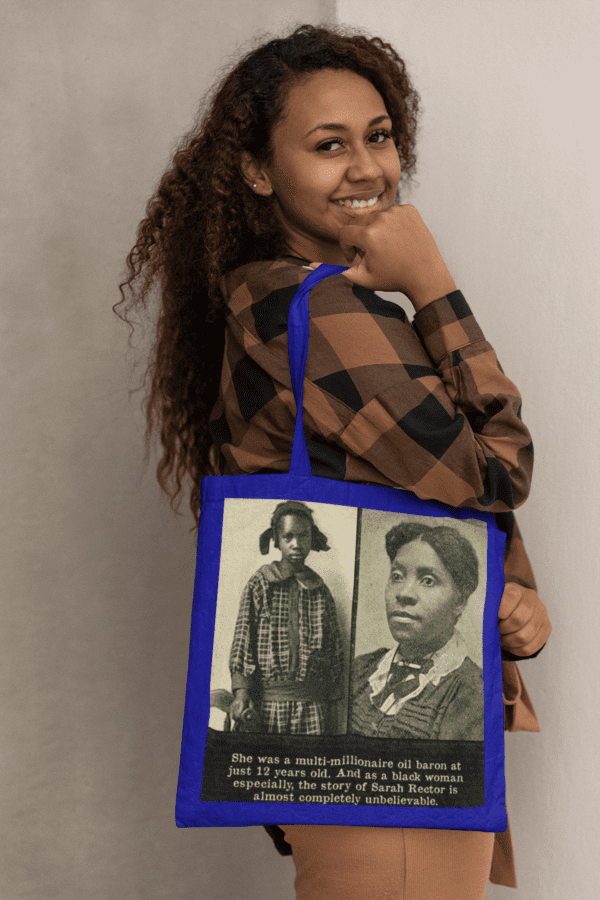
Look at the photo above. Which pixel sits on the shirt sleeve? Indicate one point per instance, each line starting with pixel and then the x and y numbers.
pixel 333 641
pixel 517 568
pixel 444 423
pixel 463 720
pixel 242 658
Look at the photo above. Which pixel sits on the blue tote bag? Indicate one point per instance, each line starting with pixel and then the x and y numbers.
pixel 365 644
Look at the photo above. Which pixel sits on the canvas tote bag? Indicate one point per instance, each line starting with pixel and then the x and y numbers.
pixel 383 741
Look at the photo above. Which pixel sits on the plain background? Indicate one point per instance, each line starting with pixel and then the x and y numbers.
pixel 97 574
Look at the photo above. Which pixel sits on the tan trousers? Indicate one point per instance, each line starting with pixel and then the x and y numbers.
pixel 360 863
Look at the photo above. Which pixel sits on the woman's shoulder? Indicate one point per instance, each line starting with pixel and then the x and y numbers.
pixel 470 673
pixel 253 282
pixel 263 271
pixel 366 663
pixel 258 295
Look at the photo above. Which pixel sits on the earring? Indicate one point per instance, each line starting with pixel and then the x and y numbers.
pixel 254 185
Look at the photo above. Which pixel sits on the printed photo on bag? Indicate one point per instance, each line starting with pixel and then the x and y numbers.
pixel 284 608
pixel 417 669
pixel 347 660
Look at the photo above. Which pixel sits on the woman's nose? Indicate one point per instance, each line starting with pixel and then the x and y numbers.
pixel 406 594
pixel 363 167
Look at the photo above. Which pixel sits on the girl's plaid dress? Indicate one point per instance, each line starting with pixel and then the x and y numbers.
pixel 287 640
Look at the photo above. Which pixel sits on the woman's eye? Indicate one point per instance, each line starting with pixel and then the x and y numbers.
pixel 397 577
pixel 383 133
pixel 428 581
pixel 328 144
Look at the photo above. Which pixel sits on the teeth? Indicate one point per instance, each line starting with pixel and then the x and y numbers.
pixel 357 204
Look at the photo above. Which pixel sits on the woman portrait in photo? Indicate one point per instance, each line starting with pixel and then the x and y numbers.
pixel 425 686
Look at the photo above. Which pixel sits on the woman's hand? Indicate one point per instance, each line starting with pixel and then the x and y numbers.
pixel 241 703
pixel 522 620
pixel 393 250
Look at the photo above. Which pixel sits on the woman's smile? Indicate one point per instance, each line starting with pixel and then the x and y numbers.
pixel 334 149
pixel 360 202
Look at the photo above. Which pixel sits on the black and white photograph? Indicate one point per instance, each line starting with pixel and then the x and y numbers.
pixel 281 648
pixel 417 670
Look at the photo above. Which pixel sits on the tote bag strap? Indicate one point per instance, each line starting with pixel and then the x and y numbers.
pixel 297 354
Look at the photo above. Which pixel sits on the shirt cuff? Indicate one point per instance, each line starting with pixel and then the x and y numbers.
pixel 239 681
pixel 445 325
pixel 512 657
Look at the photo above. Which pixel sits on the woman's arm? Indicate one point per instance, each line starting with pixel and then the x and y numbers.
pixel 523 619
pixel 437 417
pixel 242 657
pixel 332 642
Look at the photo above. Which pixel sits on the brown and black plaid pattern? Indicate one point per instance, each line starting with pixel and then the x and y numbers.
pixel 435 415
pixel 261 647
pixel 426 408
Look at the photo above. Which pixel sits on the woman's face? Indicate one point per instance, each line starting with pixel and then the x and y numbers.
pixel 294 539
pixel 422 601
pixel 332 144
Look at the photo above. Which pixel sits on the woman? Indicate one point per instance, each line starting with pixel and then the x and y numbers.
pixel 426 686
pixel 298 162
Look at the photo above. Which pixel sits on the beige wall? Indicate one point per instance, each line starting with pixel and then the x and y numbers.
pixel 96 574
pixel 509 184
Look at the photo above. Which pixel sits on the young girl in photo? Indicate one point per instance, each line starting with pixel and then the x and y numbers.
pixel 286 657
pixel 298 159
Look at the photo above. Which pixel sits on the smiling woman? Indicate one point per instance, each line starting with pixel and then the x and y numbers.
pixel 297 161
pixel 310 178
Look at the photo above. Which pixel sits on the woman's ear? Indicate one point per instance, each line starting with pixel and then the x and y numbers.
pixel 255 177
pixel 459 607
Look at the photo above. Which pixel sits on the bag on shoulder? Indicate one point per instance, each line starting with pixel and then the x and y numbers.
pixel 345 664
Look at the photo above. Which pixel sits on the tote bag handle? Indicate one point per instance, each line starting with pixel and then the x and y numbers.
pixel 298 325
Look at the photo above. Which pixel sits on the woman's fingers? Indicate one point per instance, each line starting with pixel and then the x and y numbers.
pixel 393 250
pixel 523 620
pixel 397 253
pixel 351 239
pixel 511 597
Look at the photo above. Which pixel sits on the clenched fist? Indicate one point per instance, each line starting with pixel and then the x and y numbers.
pixel 393 250
pixel 522 620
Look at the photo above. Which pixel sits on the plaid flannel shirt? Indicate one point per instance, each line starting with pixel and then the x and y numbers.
pixel 426 408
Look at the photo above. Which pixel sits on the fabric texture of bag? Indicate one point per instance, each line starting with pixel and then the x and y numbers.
pixel 364 691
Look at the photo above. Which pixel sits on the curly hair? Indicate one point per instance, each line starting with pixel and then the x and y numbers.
pixel 203 221
pixel 455 551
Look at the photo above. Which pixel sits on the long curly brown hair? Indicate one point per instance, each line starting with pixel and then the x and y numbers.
pixel 203 221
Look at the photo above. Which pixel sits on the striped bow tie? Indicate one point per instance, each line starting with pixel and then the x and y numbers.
pixel 404 678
